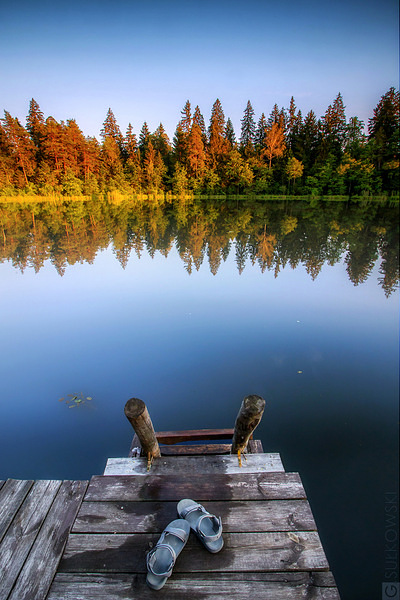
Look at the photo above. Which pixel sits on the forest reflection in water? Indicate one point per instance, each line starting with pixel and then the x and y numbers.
pixel 271 234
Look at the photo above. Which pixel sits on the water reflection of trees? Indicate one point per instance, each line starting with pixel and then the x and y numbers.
pixel 272 235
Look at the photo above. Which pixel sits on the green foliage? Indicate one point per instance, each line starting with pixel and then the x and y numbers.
pixel 284 153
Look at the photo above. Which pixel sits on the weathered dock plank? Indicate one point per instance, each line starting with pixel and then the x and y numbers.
pixel 23 530
pixel 37 573
pixel 202 487
pixel 237 516
pixel 242 552
pixel 240 586
pixel 12 494
pixel 177 450
pixel 169 465
pixel 193 435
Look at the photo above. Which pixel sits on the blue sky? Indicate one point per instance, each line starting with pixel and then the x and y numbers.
pixel 145 59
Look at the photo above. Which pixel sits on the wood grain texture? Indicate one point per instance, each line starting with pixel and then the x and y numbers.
pixel 192 449
pixel 241 586
pixel 40 566
pixel 21 534
pixel 12 495
pixel 193 465
pixel 242 486
pixel 192 435
pixel 242 552
pixel 150 517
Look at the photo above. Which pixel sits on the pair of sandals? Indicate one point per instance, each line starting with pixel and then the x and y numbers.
pixel 161 559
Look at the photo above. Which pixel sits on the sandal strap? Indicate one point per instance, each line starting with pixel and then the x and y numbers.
pixel 186 511
pixel 216 521
pixel 176 531
pixel 151 559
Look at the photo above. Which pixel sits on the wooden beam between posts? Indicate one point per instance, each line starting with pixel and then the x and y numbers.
pixel 137 414
pixel 248 418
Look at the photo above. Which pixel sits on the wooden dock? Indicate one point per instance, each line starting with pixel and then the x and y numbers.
pixel 75 540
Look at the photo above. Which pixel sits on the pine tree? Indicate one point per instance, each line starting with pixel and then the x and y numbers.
pixel 186 118
pixel 20 145
pixel 199 120
pixel 260 132
pixel 293 125
pixel 196 156
pixel 217 142
pixel 130 143
pixel 161 141
pixel 73 142
pixel 144 139
pixel 248 130
pixel 35 123
pixel 230 134
pixel 111 129
pixel 275 116
pixel 334 129
pixel 52 144
pixel 182 132
pixel 384 126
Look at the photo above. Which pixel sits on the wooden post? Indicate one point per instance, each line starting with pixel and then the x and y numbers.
pixel 248 418
pixel 137 414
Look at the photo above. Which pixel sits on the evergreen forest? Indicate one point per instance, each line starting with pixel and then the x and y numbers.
pixel 282 153
pixel 273 235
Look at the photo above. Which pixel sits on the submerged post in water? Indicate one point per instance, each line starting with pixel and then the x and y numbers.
pixel 248 418
pixel 137 414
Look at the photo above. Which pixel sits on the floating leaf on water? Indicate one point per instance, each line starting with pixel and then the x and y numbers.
pixel 60 399
pixel 294 537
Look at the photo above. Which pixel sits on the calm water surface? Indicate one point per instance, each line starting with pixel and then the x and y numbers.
pixel 191 307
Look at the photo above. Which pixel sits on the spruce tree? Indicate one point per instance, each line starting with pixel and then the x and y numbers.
pixel 20 145
pixel 248 130
pixel 334 129
pixel 260 132
pixel 144 139
pixel 217 142
pixel 35 123
pixel 111 129
pixel 230 134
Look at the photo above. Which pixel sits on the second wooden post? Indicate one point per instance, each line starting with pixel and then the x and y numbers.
pixel 248 418
pixel 137 414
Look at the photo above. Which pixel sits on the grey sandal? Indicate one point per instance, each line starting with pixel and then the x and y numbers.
pixel 161 559
pixel 206 526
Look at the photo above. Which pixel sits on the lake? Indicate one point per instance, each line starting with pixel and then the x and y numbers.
pixel 192 305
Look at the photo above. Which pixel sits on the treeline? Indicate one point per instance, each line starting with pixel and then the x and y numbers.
pixel 284 153
pixel 272 235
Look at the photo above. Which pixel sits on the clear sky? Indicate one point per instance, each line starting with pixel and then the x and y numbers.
pixel 144 59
